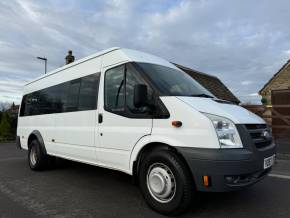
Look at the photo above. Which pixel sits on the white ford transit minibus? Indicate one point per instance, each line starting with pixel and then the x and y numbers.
pixel 137 113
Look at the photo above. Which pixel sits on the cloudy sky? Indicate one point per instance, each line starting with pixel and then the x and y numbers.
pixel 242 42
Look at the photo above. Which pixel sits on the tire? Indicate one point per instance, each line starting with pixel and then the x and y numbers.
pixel 37 160
pixel 166 183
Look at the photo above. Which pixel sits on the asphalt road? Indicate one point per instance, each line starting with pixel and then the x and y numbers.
pixel 78 190
pixel 283 145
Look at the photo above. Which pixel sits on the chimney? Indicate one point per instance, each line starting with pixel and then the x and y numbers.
pixel 69 58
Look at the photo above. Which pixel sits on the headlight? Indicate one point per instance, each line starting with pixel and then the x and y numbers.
pixel 226 131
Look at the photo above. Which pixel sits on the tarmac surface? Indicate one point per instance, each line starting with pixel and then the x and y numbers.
pixel 79 190
pixel 283 146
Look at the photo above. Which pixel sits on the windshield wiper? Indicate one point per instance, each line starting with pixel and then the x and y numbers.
pixel 202 95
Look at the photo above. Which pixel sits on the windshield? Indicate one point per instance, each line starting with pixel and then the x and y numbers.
pixel 173 82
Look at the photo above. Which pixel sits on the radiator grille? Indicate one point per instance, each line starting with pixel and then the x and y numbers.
pixel 260 135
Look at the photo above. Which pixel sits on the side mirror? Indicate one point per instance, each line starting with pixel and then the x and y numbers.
pixel 140 95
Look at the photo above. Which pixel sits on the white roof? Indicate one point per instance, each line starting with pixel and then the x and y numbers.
pixel 127 54
pixel 75 63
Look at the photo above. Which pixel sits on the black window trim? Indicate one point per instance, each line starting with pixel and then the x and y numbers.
pixel 23 104
pixel 156 94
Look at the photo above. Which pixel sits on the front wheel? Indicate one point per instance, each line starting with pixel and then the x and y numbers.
pixel 166 182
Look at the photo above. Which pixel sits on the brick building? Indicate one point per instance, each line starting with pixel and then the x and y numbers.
pixel 278 87
pixel 276 96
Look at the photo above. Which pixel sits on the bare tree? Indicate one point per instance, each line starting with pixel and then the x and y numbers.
pixel 4 106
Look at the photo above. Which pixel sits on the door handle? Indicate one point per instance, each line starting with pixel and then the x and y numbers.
pixel 100 118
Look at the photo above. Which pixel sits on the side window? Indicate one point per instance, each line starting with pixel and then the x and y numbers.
pixel 89 92
pixel 73 95
pixel 28 105
pixel 23 106
pixel 115 89
pixel 119 91
pixel 59 93
pixel 76 95
pixel 33 102
pixel 46 101
pixel 133 78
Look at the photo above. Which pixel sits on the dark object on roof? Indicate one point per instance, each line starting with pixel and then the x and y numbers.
pixel 69 58
pixel 211 83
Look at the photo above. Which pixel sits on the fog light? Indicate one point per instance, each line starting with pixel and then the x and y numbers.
pixel 232 179
pixel 229 179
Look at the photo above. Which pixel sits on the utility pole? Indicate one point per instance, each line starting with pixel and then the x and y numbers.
pixel 45 63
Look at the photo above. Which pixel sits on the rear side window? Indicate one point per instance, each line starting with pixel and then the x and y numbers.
pixel 45 101
pixel 76 95
pixel 89 92
pixel 31 102
pixel 60 97
pixel 23 105
pixel 73 96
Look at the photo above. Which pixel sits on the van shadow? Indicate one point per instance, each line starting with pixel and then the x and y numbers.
pixel 97 181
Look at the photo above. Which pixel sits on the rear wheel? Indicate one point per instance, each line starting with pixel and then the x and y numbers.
pixel 166 182
pixel 37 160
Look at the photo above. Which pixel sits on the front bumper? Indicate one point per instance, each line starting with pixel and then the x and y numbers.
pixel 228 169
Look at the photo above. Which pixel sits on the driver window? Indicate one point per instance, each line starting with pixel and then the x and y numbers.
pixel 115 89
pixel 132 78
pixel 119 90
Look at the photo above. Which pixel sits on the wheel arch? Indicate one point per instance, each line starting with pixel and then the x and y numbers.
pixel 36 135
pixel 150 147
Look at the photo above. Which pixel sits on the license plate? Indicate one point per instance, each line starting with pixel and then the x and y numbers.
pixel 269 161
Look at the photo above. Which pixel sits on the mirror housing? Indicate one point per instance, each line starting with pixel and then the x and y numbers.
pixel 140 95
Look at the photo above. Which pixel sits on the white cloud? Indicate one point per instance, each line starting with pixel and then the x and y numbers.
pixel 244 49
pixel 246 82
pixel 287 52
pixel 254 94
pixel 28 9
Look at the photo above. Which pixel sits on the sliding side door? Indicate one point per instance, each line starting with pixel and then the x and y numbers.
pixel 75 126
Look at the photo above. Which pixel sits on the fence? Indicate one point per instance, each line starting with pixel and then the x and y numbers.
pixel 278 119
pixel 275 118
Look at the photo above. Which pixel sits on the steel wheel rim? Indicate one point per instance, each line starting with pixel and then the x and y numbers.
pixel 161 182
pixel 33 157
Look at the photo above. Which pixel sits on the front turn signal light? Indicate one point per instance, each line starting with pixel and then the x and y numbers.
pixel 206 181
pixel 176 123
